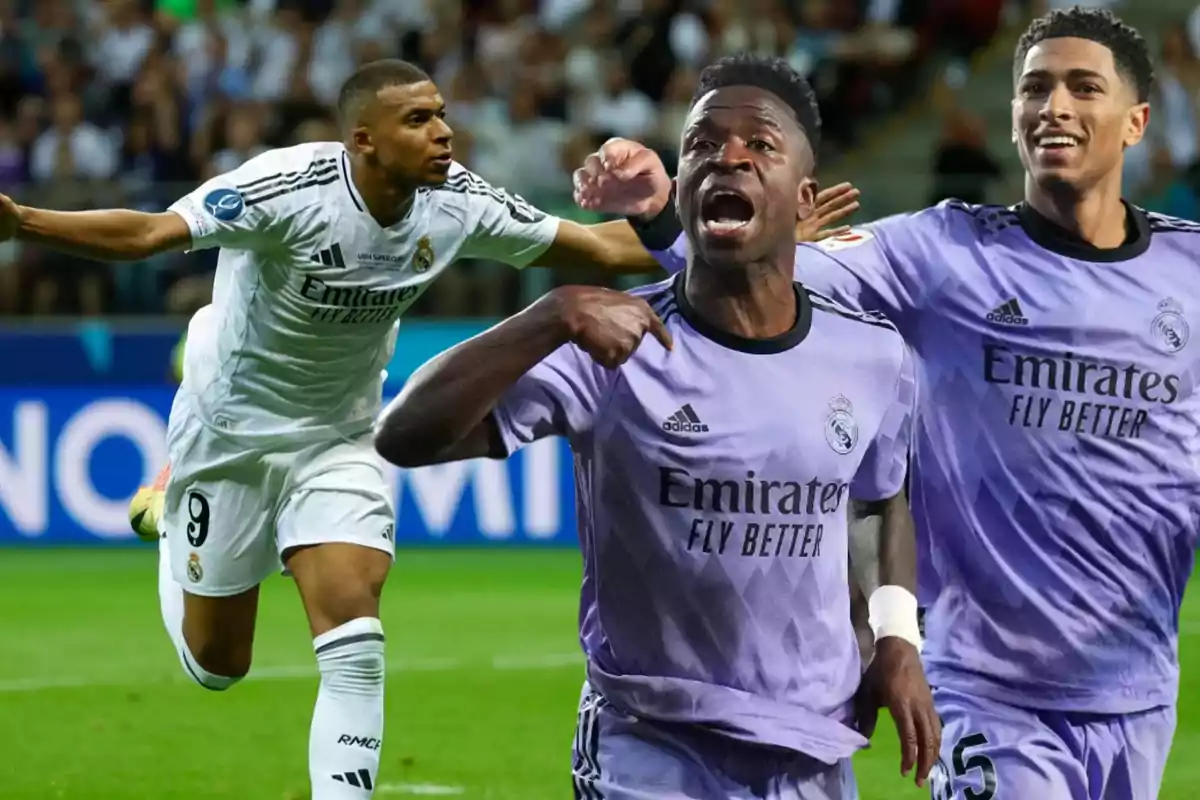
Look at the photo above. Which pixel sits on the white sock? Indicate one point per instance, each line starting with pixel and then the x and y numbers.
pixel 347 724
pixel 170 601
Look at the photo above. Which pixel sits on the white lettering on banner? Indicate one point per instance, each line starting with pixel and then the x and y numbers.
pixel 103 516
pixel 23 473
pixel 543 509
pixel 493 500
pixel 46 471
pixel 438 492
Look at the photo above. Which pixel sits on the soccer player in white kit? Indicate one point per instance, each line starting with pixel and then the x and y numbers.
pixel 323 247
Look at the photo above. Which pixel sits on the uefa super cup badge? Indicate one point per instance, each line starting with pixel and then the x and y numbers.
pixel 422 260
pixel 195 572
pixel 1170 329
pixel 841 431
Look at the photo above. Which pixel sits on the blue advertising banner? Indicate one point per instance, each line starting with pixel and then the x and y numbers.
pixel 71 458
pixel 88 353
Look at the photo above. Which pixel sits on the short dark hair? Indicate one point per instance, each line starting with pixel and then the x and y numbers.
pixel 774 75
pixel 368 79
pixel 1098 25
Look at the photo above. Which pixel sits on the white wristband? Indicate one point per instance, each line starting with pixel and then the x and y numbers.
pixel 892 611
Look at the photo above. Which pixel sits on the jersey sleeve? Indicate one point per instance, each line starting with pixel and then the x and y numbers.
pixel 674 258
pixel 560 396
pixel 881 473
pixel 885 266
pixel 500 226
pixel 856 270
pixel 236 209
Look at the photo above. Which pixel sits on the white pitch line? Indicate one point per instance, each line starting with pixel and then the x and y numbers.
pixel 427 789
pixel 301 671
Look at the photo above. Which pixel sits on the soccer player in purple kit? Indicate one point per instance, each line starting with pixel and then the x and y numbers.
pixel 1056 484
pixel 713 470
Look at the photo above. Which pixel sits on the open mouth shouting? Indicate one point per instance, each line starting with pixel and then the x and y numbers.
pixel 725 212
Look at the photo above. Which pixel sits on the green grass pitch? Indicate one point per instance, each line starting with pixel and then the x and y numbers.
pixel 484 675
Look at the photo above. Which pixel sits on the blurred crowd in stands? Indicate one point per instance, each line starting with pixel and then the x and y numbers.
pixel 1164 172
pixel 128 102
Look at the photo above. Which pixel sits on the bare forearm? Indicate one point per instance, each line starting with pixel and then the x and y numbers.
pixel 447 398
pixel 864 547
pixel 860 618
pixel 109 235
pixel 625 252
pixel 897 548
pixel 892 604
pixel 610 246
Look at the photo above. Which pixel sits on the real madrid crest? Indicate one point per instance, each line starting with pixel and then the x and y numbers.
pixel 422 260
pixel 195 572
pixel 1170 330
pixel 841 431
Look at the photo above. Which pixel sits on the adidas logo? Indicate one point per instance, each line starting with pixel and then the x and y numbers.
pixel 361 779
pixel 332 257
pixel 685 421
pixel 1008 314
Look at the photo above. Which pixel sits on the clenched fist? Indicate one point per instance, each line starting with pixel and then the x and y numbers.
pixel 624 178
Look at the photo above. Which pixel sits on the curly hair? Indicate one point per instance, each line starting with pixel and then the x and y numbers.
pixel 1099 25
pixel 774 75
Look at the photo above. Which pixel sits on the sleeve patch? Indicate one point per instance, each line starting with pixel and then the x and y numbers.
pixel 853 238
pixel 225 205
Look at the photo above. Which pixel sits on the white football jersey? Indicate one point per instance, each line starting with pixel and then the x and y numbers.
pixel 310 288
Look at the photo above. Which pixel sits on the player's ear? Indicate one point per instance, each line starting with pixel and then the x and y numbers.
pixel 1136 122
pixel 806 199
pixel 361 141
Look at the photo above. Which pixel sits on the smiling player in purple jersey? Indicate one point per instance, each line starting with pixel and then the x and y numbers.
pixel 1056 483
pixel 712 480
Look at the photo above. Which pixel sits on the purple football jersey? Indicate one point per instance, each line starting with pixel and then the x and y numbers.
pixel 1056 449
pixel 711 484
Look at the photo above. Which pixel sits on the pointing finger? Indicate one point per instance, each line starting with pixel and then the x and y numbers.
pixel 659 331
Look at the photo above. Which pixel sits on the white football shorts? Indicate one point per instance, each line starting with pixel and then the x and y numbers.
pixel 231 511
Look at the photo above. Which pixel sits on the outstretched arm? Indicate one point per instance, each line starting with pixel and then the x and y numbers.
pixel 241 209
pixel 110 235
pixel 617 247
pixel 612 246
